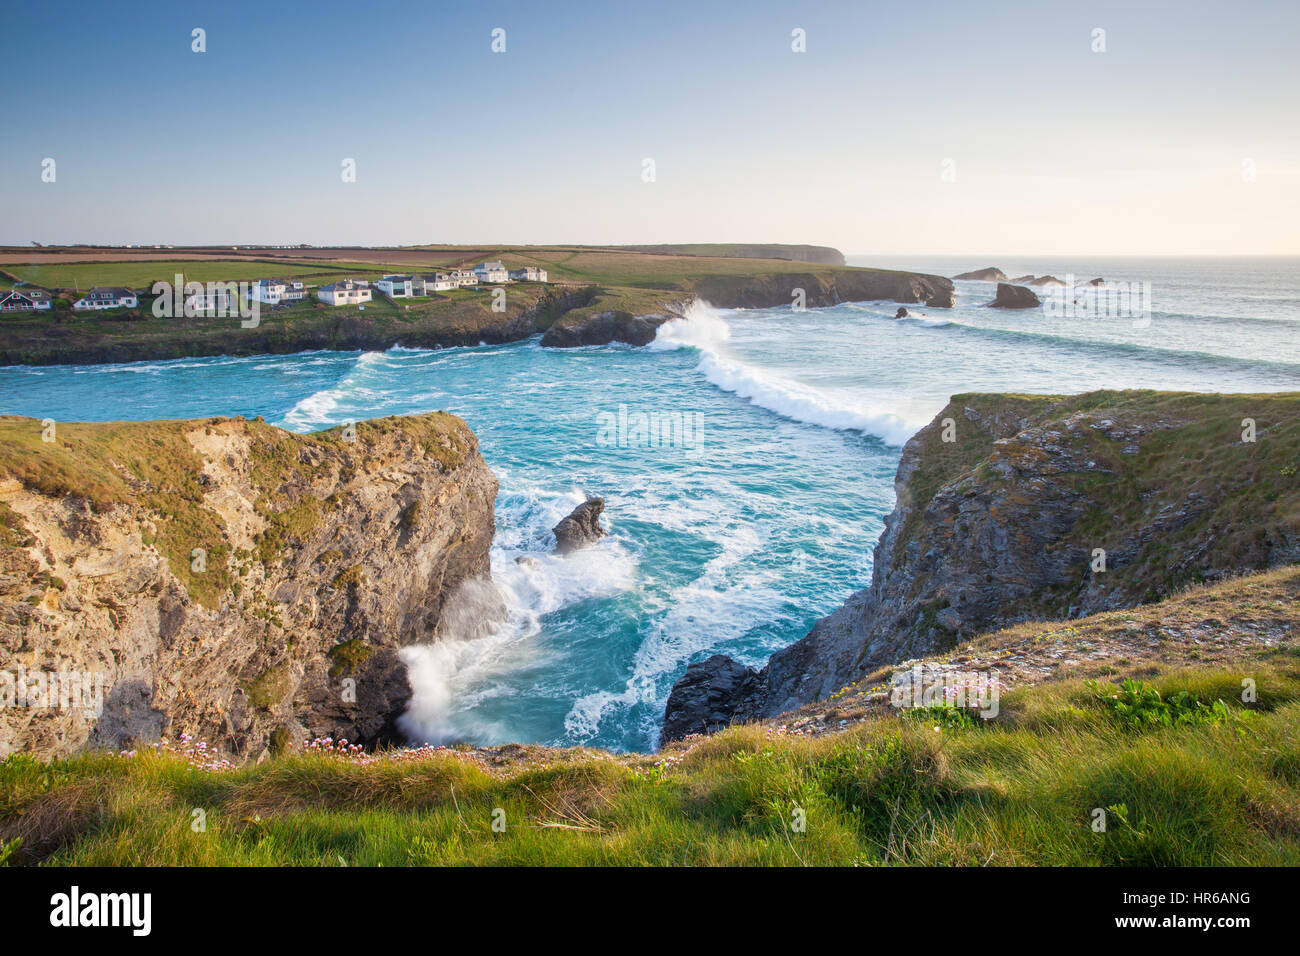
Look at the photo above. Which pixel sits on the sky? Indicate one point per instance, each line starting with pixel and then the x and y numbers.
pixel 903 127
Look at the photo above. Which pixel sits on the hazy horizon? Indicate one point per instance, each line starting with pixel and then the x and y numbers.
pixel 926 126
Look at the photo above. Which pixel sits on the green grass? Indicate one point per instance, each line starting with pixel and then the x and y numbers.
pixel 1021 789
pixel 140 275
pixel 154 467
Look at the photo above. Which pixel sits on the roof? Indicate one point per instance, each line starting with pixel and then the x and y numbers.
pixel 113 291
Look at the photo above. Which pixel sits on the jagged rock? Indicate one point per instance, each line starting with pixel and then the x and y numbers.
pixel 1021 280
pixel 901 314
pixel 581 527
pixel 998 535
pixel 1047 281
pixel 1014 297
pixel 984 275
pixel 702 700
pixel 384 538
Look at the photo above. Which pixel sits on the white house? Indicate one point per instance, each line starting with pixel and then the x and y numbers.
pixel 345 292
pixel 107 297
pixel 219 297
pixel 396 287
pixel 440 282
pixel 276 291
pixel 25 300
pixel 528 274
pixel 463 277
pixel 491 272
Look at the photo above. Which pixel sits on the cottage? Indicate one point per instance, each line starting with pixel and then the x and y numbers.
pixel 440 282
pixel 107 297
pixel 24 300
pixel 345 292
pixel 464 277
pixel 528 274
pixel 219 298
pixel 277 291
pixel 491 272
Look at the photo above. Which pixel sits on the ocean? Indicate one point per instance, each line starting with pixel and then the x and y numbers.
pixel 746 458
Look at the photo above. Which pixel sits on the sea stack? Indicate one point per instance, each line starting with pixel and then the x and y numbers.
pixel 581 527
pixel 1014 297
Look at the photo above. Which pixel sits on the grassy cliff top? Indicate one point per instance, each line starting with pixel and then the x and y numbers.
pixel 157 467
pixel 1129 455
pixel 1186 771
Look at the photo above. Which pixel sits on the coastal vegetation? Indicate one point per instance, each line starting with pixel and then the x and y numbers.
pixel 1074 770
pixel 587 281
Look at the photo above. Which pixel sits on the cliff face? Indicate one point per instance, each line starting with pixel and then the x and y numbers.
pixel 317 558
pixel 1006 522
pixel 638 326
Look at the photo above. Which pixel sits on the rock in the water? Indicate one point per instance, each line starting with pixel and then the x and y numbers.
pixel 1022 280
pixel 1094 282
pixel 984 275
pixel 1047 281
pixel 900 314
pixel 1015 297
pixel 703 700
pixel 941 299
pixel 581 527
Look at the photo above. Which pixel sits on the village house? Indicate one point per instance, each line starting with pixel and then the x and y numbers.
pixel 528 274
pixel 107 297
pixel 218 298
pixel 345 292
pixel 399 287
pixel 464 277
pixel 24 300
pixel 276 291
pixel 440 282
pixel 491 272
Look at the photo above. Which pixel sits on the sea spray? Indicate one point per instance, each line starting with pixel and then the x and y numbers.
pixel 704 329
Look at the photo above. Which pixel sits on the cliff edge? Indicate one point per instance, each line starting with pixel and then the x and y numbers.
pixel 227 579
pixel 1014 508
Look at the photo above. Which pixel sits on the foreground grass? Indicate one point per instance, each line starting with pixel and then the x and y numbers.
pixel 1023 789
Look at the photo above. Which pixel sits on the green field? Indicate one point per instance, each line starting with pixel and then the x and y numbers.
pixel 141 275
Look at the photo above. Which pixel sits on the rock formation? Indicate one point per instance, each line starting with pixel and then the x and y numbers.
pixel 1014 297
pixel 581 527
pixel 230 580
pixel 1042 508
pixel 1047 281
pixel 984 275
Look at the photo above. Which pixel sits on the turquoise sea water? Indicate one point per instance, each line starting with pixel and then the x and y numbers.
pixel 763 522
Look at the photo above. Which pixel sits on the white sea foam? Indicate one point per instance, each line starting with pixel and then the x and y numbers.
pixel 465 666
pixel 703 328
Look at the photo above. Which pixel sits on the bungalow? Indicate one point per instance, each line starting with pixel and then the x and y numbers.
pixel 276 291
pixel 396 287
pixel 528 274
pixel 464 277
pixel 24 300
pixel 491 272
pixel 107 297
pixel 219 298
pixel 440 282
pixel 345 292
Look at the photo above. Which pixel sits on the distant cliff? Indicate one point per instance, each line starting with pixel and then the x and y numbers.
pixel 820 255
pixel 635 322
pixel 230 580
pixel 1038 507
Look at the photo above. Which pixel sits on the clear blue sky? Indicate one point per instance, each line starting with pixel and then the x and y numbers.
pixel 1055 148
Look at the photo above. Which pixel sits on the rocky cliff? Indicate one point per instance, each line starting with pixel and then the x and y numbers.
pixel 637 324
pixel 227 579
pixel 1011 508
